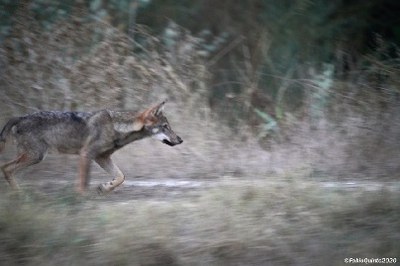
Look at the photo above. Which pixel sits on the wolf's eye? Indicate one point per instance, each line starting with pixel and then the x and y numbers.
pixel 165 126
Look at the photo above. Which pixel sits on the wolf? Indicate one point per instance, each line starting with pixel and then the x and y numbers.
pixel 94 136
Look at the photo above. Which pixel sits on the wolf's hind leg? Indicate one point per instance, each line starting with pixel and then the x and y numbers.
pixel 110 167
pixel 22 161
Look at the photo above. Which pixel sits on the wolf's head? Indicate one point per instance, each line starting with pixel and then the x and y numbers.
pixel 156 125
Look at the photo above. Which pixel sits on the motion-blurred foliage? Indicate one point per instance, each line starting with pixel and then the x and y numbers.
pixel 263 66
pixel 269 40
pixel 271 98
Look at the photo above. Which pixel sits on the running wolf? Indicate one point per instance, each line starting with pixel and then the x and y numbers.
pixel 92 135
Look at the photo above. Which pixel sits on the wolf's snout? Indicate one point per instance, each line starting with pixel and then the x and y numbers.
pixel 176 141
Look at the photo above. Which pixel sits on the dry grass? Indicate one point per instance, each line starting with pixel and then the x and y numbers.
pixel 234 223
pixel 246 219
pixel 92 65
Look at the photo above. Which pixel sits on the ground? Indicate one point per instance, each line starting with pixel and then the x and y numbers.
pixel 289 219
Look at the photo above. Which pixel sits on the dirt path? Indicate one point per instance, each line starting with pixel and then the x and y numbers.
pixel 167 189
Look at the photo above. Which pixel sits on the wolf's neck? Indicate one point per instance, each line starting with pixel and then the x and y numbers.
pixel 125 116
pixel 123 121
pixel 128 138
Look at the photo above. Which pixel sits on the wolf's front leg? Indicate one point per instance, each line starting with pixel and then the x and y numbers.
pixel 109 166
pixel 84 171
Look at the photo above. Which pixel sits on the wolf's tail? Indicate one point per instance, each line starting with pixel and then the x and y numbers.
pixel 6 131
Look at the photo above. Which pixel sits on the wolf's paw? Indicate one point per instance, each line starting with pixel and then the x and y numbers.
pixel 101 189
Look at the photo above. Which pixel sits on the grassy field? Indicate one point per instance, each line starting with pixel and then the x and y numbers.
pixel 231 221
pixel 265 140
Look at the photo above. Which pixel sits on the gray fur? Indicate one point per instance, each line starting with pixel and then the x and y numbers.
pixel 92 135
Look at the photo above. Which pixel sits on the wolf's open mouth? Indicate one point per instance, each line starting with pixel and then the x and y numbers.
pixel 168 143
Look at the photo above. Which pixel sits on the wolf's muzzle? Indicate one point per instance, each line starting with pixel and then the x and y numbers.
pixel 179 141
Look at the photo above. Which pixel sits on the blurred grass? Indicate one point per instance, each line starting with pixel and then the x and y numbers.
pixel 232 117
pixel 234 223
pixel 250 222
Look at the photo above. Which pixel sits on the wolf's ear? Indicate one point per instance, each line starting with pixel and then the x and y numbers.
pixel 158 108
pixel 148 116
pixel 138 124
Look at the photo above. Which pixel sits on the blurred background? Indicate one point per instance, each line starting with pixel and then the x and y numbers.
pixel 289 112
